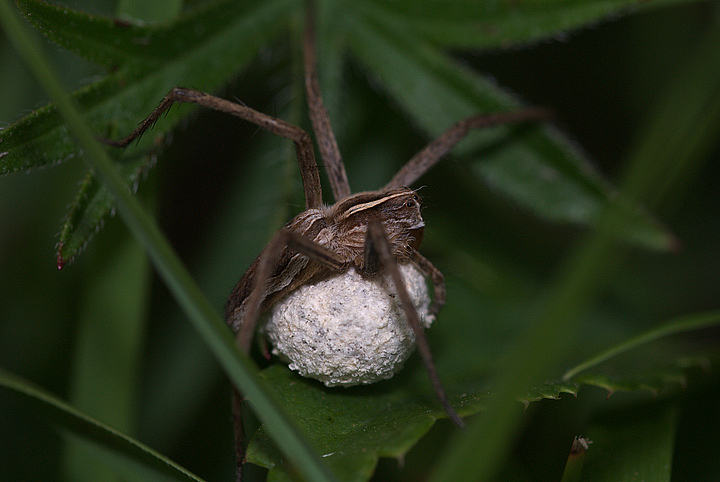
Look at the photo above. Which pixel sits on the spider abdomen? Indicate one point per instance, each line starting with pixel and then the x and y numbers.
pixel 348 329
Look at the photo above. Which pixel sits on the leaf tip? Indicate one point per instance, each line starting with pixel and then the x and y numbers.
pixel 61 260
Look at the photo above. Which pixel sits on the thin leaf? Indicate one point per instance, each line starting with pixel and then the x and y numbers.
pixel 119 338
pixel 674 326
pixel 536 168
pixel 469 24
pixel 128 456
pixel 90 208
pixel 576 459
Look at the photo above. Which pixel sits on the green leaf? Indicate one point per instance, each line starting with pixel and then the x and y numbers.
pixel 353 427
pixel 469 24
pixel 127 456
pixel 177 54
pixel 675 326
pixel 112 349
pixel 207 46
pixel 90 208
pixel 534 167
pixel 653 360
pixel 549 391
pixel 632 445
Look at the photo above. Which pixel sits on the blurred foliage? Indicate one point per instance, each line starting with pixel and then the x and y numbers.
pixel 211 197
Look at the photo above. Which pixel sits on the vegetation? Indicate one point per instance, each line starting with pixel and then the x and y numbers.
pixel 569 279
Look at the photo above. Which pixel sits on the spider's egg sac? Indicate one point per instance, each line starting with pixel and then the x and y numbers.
pixel 348 330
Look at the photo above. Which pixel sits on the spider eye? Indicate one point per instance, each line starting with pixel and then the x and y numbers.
pixel 409 204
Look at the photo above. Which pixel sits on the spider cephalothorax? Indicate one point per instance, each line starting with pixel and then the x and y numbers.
pixel 343 229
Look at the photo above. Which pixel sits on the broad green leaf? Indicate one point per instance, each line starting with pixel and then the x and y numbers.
pixel 129 457
pixel 353 427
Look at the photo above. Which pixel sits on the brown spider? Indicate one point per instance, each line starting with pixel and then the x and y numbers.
pixel 371 232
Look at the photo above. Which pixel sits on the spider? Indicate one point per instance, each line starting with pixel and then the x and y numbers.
pixel 370 233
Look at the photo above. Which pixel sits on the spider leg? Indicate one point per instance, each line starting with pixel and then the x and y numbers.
pixel 435 150
pixel 303 143
pixel 244 312
pixel 437 278
pixel 239 433
pixel 285 238
pixel 329 151
pixel 381 247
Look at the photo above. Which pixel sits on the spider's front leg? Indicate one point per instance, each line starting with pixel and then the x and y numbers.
pixel 281 267
pixel 300 138
pixel 377 250
pixel 289 260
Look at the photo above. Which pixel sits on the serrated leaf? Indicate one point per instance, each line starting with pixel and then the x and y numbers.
pixel 352 427
pixel 91 206
pixel 675 326
pixel 204 57
pixel 650 361
pixel 652 381
pixel 536 170
pixel 470 24
pixel 126 455
pixel 101 40
pixel 179 54
pixel 549 391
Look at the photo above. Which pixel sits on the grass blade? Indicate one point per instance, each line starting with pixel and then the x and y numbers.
pixel 125 454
